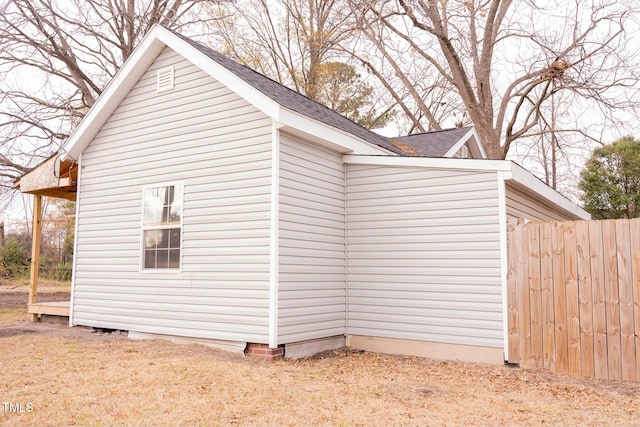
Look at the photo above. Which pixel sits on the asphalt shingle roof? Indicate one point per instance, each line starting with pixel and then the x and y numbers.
pixel 433 144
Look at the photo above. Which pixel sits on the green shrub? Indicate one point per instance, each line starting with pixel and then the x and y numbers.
pixel 13 258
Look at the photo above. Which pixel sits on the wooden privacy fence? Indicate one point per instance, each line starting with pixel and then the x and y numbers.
pixel 574 297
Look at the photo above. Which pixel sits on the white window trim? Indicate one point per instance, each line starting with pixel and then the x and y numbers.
pixel 143 229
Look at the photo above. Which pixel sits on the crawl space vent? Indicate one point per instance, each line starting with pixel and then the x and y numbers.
pixel 164 79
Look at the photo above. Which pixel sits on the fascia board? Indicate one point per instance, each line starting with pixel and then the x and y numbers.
pixel 115 92
pixel 430 162
pixel 473 138
pixel 333 137
pixel 534 185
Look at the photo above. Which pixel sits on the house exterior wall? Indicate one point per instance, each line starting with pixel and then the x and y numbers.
pixel 312 270
pixel 521 205
pixel 423 249
pixel 219 147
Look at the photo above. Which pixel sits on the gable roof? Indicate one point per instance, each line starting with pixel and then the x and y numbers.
pixel 286 107
pixel 442 143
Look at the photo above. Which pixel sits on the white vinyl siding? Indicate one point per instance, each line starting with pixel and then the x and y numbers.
pixel 521 205
pixel 312 273
pixel 424 255
pixel 219 147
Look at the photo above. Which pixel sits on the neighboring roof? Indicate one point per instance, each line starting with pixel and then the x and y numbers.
pixel 293 100
pixel 433 144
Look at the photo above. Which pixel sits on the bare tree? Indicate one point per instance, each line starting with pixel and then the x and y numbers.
pixel 505 59
pixel 300 43
pixel 56 58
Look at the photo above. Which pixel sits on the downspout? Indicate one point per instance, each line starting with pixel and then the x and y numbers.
pixel 346 257
pixel 274 235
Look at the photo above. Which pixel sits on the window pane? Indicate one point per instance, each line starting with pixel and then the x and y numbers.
pixel 175 207
pixel 153 238
pixel 150 259
pixel 162 205
pixel 162 248
pixel 174 258
pixel 174 238
pixel 162 258
pixel 164 241
pixel 153 205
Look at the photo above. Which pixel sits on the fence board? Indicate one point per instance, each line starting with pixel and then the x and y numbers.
pixel 600 353
pixel 634 235
pixel 574 297
pixel 514 234
pixel 525 305
pixel 612 299
pixel 573 310
pixel 546 273
pixel 560 300
pixel 583 249
pixel 535 292
pixel 625 293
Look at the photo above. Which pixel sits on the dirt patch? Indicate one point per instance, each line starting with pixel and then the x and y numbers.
pixel 74 376
pixel 13 300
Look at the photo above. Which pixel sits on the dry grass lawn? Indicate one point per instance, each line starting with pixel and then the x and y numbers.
pixel 71 376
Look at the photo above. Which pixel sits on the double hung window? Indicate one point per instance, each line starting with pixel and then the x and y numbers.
pixel 162 227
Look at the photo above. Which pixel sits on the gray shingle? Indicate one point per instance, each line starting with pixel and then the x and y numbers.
pixel 433 144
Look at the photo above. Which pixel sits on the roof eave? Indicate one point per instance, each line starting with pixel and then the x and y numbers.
pixel 526 179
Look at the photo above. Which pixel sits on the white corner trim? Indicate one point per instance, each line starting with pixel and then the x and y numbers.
pixel 274 236
pixel 504 262
pixel 75 242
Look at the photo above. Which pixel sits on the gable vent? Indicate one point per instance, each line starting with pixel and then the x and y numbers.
pixel 165 79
